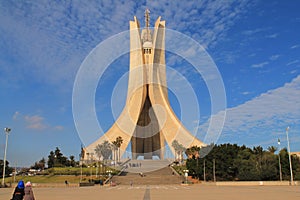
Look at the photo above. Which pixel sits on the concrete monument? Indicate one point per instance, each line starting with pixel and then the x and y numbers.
pixel 147 122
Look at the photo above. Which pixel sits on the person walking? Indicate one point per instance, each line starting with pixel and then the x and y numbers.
pixel 19 191
pixel 28 192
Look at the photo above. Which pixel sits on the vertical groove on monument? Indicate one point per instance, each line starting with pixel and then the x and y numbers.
pixel 146 140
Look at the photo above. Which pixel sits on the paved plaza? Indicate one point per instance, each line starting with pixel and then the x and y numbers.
pixel 164 192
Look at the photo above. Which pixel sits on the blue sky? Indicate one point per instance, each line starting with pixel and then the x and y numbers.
pixel 255 45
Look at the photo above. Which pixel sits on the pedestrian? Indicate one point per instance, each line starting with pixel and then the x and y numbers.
pixel 28 192
pixel 19 191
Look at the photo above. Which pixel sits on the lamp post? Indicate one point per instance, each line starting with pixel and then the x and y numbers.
pixel 80 170
pixel 6 130
pixel 214 169
pixel 15 173
pixel 109 173
pixel 97 169
pixel 204 177
pixel 280 171
pixel 289 151
pixel 109 176
pixel 91 170
pixel 186 175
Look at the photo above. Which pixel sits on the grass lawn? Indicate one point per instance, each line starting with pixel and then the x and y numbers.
pixel 51 179
pixel 60 175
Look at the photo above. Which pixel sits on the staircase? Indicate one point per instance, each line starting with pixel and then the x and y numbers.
pixel 148 172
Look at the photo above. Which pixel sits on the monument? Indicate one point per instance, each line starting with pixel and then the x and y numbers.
pixel 147 121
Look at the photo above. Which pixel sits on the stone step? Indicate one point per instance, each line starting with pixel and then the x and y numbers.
pixel 143 166
pixel 145 175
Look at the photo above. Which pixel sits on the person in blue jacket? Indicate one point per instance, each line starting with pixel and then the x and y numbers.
pixel 19 191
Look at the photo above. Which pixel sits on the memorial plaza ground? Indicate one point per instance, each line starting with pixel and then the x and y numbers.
pixel 180 192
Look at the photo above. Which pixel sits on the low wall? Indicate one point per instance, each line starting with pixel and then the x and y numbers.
pixel 42 185
pixel 254 183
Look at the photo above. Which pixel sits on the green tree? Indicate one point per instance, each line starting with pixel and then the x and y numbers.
pixel 269 167
pixel 195 167
pixel 72 162
pixel 8 169
pixel 296 167
pixel 233 162
pixel 60 159
pixel 42 163
pixel 284 158
pixel 57 159
pixel 246 165
pixel 224 155
pixel 51 159
pixel 39 165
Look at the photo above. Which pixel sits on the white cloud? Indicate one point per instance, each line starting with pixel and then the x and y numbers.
pixel 246 93
pixel 252 32
pixel 295 46
pixel 16 115
pixel 272 36
pixel 190 17
pixel 52 39
pixel 35 122
pixel 269 111
pixel 59 128
pixel 293 72
pixel 259 65
pixel 252 55
pixel 274 57
pixel 292 62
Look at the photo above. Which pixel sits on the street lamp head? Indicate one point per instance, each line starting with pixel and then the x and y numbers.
pixel 7 130
pixel 287 128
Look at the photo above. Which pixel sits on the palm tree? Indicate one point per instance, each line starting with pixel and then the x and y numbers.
pixel 115 148
pixel 258 151
pixel 192 152
pixel 119 141
pixel 272 149
pixel 117 144
pixel 104 150
pixel 179 149
pixel 175 145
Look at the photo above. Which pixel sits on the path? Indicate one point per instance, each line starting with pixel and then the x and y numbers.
pixel 174 192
